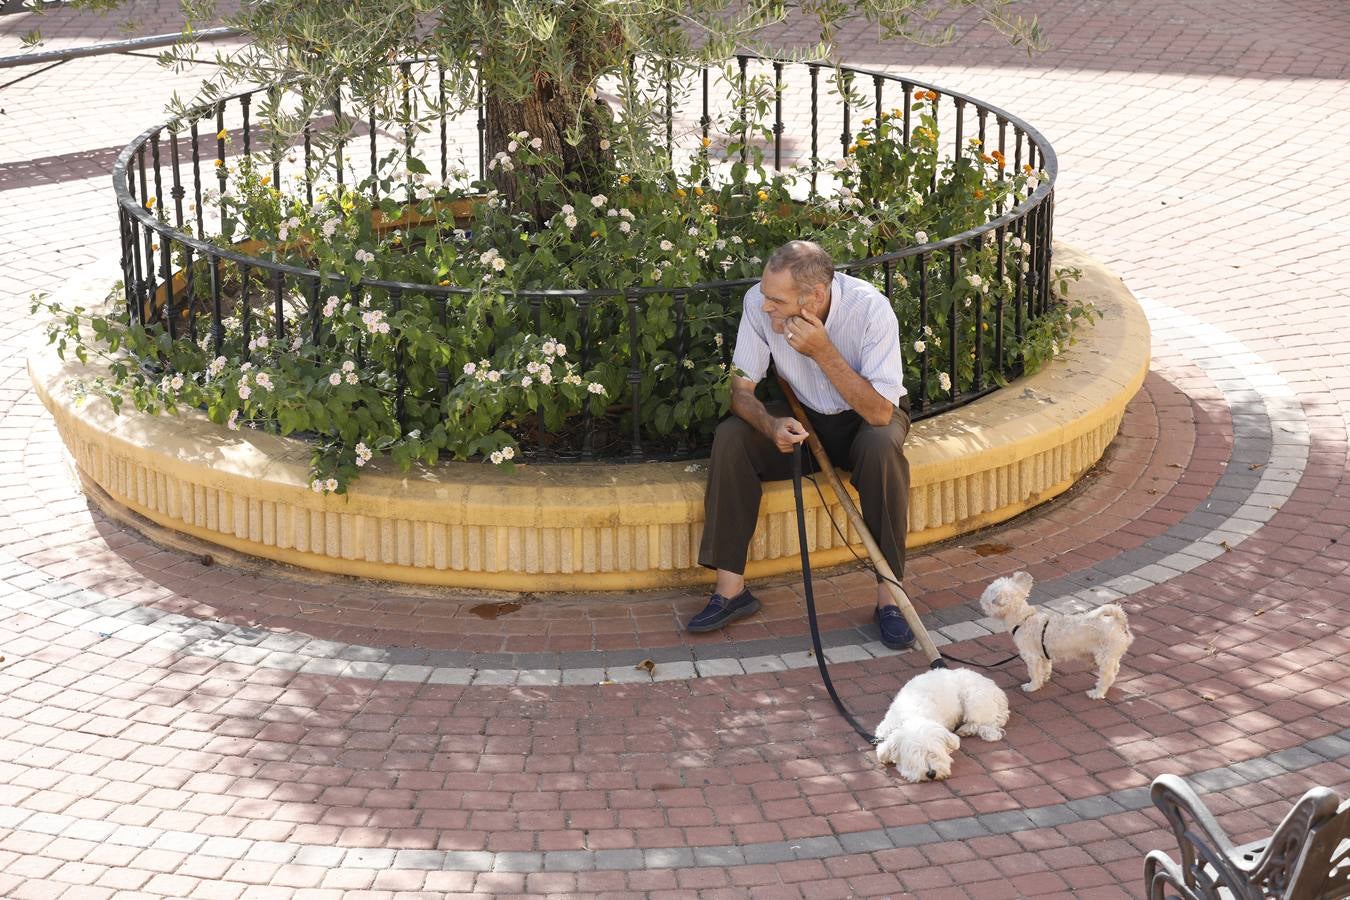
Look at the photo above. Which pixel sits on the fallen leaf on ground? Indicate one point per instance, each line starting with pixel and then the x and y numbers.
pixel 648 665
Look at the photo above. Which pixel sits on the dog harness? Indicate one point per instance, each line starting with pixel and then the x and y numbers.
pixel 1044 629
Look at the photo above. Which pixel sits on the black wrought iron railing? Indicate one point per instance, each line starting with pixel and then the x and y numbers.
pixel 166 257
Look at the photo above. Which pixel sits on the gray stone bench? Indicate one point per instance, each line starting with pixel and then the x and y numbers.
pixel 1306 858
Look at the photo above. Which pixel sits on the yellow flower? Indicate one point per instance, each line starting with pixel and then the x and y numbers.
pixel 864 142
pixel 698 192
pixel 624 179
pixel 867 121
pixel 984 326
pixel 975 142
pixel 595 234
pixel 266 180
pixel 150 203
pixel 898 113
pixel 706 142
pixel 220 163
pixel 852 148
pixel 763 195
pixel 444 282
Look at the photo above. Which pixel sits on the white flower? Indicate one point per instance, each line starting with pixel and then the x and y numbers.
pixel 611 212
pixel 470 368
pixel 459 234
pixel 216 367
pixel 293 222
pixel 1054 348
pixel 596 387
pixel 245 391
pixel 384 328
pixel 522 135
pixel 245 367
pixel 656 274
pixel 667 246
pixel 928 330
pixel 736 239
pixel 570 220
pixel 176 382
pixel 414 434
pixel 512 147
pixel 232 422
pixel 599 200
pixel 625 227
pixel 374 321
pixel 316 486
pixel 920 346
pixel 335 379
pixel 526 381
pixel 264 381
pixel 297 342
pixel 329 227
pixel 508 453
pixel 572 378
pixel 627 213
pixel 1031 184
pixel 974 280
pixel 921 237
pixel 349 366
pixel 550 347
pixel 422 193
pixel 604 144
pixel 693 231
pixel 284 233
pixel 494 376
pixel 351 378
pixel 944 381
pixel 689 364
pixel 330 485
pixel 364 256
pixel 537 144
pixel 498 263
pixel 568 209
pixel 546 377
pixel 717 339
pixel 330 308
pixel 496 457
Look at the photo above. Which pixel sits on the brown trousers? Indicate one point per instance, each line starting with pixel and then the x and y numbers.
pixel 742 458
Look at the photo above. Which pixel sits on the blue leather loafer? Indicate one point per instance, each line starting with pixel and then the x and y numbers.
pixel 721 611
pixel 895 631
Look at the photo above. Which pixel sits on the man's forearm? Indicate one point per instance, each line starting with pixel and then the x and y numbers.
pixel 750 408
pixel 857 391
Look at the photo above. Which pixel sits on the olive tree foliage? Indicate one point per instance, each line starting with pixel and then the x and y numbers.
pixel 541 64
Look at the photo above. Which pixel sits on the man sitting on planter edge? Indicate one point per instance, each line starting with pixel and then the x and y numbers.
pixel 836 341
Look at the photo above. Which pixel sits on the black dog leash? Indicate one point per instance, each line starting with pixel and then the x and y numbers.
pixel 811 597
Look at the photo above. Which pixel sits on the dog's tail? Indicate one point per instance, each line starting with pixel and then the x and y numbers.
pixel 1114 611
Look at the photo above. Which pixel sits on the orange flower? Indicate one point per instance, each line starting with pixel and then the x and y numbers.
pixel 595 234
pixel 1026 167
pixel 979 195
pixel 706 142
pixel 266 180
pixel 220 163
pixel 150 203
pixel 986 158
pixel 698 192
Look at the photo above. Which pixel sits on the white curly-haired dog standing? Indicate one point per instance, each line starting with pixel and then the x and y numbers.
pixel 1043 635
pixel 930 713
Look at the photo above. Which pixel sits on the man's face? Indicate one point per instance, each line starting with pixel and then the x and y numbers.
pixel 783 299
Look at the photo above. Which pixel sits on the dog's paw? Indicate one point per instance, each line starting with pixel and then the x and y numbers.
pixel 1096 694
pixel 990 733
pixel 1031 686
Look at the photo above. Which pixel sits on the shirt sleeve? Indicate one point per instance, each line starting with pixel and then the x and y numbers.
pixel 751 354
pixel 882 364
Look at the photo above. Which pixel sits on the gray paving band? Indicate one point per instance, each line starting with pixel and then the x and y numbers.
pixel 1333 747
pixel 1270 449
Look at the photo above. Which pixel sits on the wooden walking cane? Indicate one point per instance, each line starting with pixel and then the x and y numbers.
pixel 856 520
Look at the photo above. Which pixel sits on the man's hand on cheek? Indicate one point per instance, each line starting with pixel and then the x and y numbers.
pixel 806 334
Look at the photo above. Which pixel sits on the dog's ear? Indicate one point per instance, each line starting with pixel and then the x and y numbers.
pixel 1023 582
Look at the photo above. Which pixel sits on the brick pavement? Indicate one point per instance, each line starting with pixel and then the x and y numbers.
pixel 168 730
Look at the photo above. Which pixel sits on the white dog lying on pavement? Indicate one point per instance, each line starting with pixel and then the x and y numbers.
pixel 930 713
pixel 1043 635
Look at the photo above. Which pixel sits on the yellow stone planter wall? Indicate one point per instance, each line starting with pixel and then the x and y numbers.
pixel 550 528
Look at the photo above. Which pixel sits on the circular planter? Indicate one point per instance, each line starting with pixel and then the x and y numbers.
pixel 585 526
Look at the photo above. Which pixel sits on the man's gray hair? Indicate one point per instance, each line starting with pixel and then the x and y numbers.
pixel 806 260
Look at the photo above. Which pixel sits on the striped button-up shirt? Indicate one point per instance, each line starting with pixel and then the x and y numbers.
pixel 862 326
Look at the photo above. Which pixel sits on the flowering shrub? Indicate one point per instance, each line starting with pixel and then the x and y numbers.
pixel 489 360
